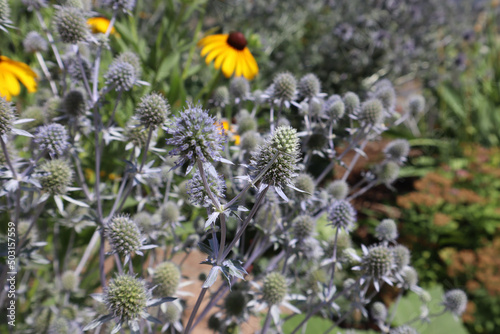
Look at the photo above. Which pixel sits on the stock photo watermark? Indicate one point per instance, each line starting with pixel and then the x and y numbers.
pixel 11 274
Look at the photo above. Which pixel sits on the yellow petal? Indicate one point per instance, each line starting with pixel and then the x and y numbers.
pixel 229 63
pixel 212 55
pixel 239 64
pixel 220 58
pixel 21 71
pixel 212 39
pixel 100 25
pixel 212 46
pixel 4 91
pixel 254 68
pixel 246 72
pixel 11 83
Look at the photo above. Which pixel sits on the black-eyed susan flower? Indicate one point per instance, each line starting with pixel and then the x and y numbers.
pixel 100 25
pixel 11 73
pixel 230 53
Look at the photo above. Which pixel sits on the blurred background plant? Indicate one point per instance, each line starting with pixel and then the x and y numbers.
pixel 349 120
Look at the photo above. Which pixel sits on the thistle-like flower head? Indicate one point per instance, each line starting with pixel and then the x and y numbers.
pixel 126 297
pixel 342 214
pixel 283 147
pixel 53 138
pixel 378 261
pixel 196 135
pixel 124 235
pixel 274 289
pixel 153 110
pixel 197 193
pixel 121 76
pixel 34 42
pixel 455 301
pixel 167 277
pixel 71 25
pixel 284 87
pixel 386 230
pixel 57 176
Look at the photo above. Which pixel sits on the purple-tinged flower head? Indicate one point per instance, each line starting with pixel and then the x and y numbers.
pixel 284 87
pixel 309 86
pixel 344 31
pixel 196 135
pixel 53 138
pixel 197 192
pixel 342 214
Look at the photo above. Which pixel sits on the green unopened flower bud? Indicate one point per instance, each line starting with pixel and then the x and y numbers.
pixel 338 189
pixel 455 301
pixel 235 303
pixel 34 42
pixel 220 97
pixel 167 276
pixel 283 149
pixel 172 313
pixel 59 326
pixel 70 280
pixel 136 133
pixel 6 116
pixel 397 150
pixel 284 87
pixel 410 277
pixel 246 123
pixel 153 110
pixel 71 25
pixel 401 257
pixel 124 235
pixel 351 102
pixel 239 88
pixel 303 227
pixel 250 141
pixel 379 261
pixel 52 107
pixel 309 86
pixel 133 59
pixel 372 112
pixel 387 96
pixel 34 112
pixel 304 182
pixel 170 213
pixel 334 107
pixel 57 176
pixel 416 105
pixel 388 172
pixel 274 289
pixel 126 297
pixel 121 76
pixel 197 192
pixel 386 230
pixel 74 103
pixel 378 311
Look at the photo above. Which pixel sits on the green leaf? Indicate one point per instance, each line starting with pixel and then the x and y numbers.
pixel 409 308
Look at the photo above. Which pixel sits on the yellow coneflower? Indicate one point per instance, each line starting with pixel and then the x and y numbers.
pixel 100 25
pixel 11 73
pixel 231 53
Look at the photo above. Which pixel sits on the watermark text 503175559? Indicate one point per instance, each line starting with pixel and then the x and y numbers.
pixel 11 274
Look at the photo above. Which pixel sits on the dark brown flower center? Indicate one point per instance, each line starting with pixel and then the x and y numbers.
pixel 237 40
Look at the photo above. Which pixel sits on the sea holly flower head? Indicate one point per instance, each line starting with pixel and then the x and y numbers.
pixel 127 299
pixel 195 136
